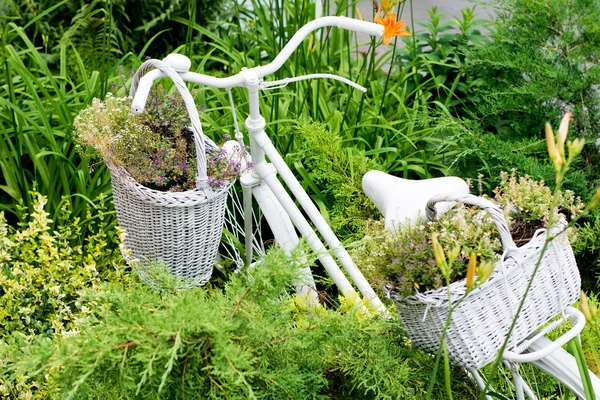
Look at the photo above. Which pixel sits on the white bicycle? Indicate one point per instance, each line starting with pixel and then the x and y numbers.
pixel 396 198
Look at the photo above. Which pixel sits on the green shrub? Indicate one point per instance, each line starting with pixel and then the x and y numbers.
pixel 541 63
pixel 251 340
pixel 332 173
pixel 486 154
pixel 42 271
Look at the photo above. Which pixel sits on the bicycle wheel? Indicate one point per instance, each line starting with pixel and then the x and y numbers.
pixel 555 376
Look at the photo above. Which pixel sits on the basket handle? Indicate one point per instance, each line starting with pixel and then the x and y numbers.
pixel 494 211
pixel 199 141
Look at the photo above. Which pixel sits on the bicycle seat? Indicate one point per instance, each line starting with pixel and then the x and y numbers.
pixel 404 200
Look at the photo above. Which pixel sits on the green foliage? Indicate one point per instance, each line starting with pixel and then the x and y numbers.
pixel 43 271
pixel 590 336
pixel 241 342
pixel 389 123
pixel 541 63
pixel 111 25
pixel 430 63
pixel 587 250
pixel 490 154
pixel 37 108
pixel 332 173
pixel 55 57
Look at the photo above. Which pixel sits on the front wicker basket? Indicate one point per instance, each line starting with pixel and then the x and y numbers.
pixel 180 230
pixel 480 324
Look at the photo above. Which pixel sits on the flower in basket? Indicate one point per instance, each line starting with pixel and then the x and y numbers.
pixel 156 148
pixel 405 261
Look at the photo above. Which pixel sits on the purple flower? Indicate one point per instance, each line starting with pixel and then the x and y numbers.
pixel 113 85
pixel 148 58
pixel 131 73
pixel 226 136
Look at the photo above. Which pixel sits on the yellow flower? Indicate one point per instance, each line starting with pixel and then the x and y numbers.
pixel 391 27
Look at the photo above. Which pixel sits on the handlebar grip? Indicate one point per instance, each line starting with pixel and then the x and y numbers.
pixel 142 89
pixel 356 25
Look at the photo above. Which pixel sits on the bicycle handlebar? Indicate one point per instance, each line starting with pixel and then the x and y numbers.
pixel 181 63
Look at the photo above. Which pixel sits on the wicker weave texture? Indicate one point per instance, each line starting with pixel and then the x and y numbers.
pixel 480 324
pixel 181 229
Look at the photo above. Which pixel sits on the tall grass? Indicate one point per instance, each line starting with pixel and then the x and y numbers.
pixel 37 108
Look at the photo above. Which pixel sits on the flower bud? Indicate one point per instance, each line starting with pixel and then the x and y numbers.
pixel 454 253
pixel 563 130
pixel 438 252
pixel 576 146
pixel 585 308
pixel 385 4
pixel 552 151
pixel 485 271
pixel 471 271
pixel 358 14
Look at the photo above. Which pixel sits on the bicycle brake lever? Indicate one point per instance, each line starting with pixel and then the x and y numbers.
pixel 283 82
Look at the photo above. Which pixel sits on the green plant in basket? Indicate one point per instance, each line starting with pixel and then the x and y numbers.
pixel 156 148
pixel 405 260
pixel 152 158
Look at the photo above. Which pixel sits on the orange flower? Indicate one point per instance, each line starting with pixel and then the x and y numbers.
pixel 391 28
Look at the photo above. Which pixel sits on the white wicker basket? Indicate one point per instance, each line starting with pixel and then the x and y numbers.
pixel 481 322
pixel 181 229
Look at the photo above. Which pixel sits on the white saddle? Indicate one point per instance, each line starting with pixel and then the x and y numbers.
pixel 403 201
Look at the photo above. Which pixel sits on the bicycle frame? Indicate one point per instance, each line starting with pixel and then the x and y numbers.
pixel 261 146
pixel 263 183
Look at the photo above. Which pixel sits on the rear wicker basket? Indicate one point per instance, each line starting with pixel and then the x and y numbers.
pixel 480 324
pixel 180 229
